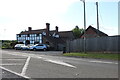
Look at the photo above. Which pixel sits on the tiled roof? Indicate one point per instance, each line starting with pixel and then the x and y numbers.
pixel 52 32
pixel 98 32
pixel 33 31
pixel 63 34
pixel 38 31
pixel 55 40
pixel 66 34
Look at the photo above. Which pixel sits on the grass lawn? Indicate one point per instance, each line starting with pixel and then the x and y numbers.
pixel 94 55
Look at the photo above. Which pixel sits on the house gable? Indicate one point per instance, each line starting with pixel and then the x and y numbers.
pixel 92 32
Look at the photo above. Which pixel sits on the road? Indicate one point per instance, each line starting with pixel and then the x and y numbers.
pixel 38 65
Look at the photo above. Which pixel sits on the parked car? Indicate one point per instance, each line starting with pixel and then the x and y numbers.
pixel 25 47
pixel 18 46
pixel 39 47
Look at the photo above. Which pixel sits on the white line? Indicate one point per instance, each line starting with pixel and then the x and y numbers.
pixel 39 57
pixel 103 62
pixel 25 66
pixel 61 63
pixel 14 72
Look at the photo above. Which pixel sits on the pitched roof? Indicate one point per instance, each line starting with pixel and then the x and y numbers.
pixel 66 34
pixel 98 32
pixel 52 32
pixel 55 40
pixel 33 31
pixel 63 35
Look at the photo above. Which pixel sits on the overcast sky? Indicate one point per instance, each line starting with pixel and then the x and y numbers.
pixel 18 15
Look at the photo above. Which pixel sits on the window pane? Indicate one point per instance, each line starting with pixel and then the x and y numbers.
pixel 40 41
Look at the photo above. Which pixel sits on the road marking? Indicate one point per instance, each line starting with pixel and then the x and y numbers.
pixel 25 66
pixel 36 56
pixel 32 55
pixel 15 72
pixel 9 64
pixel 40 57
pixel 103 62
pixel 61 63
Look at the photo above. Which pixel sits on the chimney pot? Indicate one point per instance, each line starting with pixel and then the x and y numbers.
pixel 48 24
pixel 47 29
pixel 56 29
pixel 29 28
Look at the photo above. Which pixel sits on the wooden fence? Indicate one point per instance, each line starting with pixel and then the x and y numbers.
pixel 99 44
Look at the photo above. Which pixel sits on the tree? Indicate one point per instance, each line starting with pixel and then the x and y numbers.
pixel 77 31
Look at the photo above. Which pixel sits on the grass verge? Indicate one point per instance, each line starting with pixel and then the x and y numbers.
pixel 95 55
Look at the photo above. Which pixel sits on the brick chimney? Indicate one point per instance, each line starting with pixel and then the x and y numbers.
pixel 29 28
pixel 47 29
pixel 56 29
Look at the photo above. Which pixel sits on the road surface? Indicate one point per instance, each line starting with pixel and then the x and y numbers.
pixel 31 65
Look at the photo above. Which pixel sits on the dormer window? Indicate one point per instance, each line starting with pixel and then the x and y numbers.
pixel 53 35
pixel 57 36
pixel 43 33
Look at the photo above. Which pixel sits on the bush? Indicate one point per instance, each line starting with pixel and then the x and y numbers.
pixel 7 44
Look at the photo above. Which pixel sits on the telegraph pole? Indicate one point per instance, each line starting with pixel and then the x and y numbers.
pixel 84 26
pixel 97 16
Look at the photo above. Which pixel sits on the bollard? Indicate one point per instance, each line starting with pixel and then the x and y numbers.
pixel 64 50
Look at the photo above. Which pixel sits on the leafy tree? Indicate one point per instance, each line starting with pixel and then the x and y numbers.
pixel 77 31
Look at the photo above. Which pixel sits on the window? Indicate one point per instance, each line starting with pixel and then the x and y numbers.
pixel 37 38
pixel 28 35
pixel 40 36
pixel 34 35
pixel 32 42
pixel 44 33
pixel 57 36
pixel 28 38
pixel 36 42
pixel 37 35
pixel 40 41
pixel 40 45
pixel 32 38
pixel 19 35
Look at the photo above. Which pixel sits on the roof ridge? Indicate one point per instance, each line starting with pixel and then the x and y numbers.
pixel 65 31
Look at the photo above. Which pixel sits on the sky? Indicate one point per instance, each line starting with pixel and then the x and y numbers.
pixel 18 15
